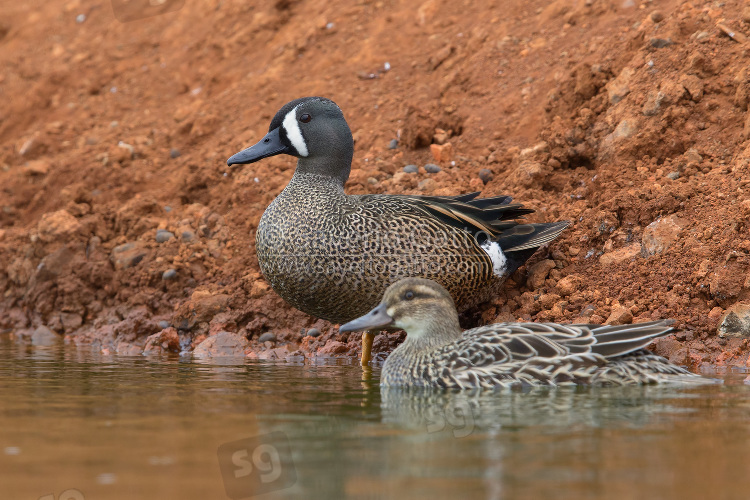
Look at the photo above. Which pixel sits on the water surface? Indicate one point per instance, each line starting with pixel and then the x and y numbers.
pixel 98 427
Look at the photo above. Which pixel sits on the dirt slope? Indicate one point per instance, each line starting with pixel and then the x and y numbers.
pixel 628 119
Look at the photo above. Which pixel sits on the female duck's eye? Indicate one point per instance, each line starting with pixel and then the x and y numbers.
pixel 409 295
pixel 305 118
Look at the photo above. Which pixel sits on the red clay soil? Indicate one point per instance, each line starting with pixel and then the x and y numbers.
pixel 628 119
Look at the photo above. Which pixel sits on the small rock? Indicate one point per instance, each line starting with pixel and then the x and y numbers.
pixel 625 129
pixel 80 18
pixel 673 175
pixel 656 16
pixel 653 103
pixel 620 315
pixel 530 172
pixel 485 175
pixel 166 340
pixel 440 136
pixel 431 168
pixel 618 88
pixel 568 285
pixel 222 344
pixel 427 185
pixel 660 43
pixel 188 235
pixel 736 321
pixel 169 274
pixel 333 347
pixel 162 235
pixel 661 233
pixel 37 167
pixel 702 35
pixel 43 336
pixel 692 157
pixel 267 337
pixel 174 153
pixel 693 85
pixel 621 254
pixel 411 169
pixel 442 153
pixel 58 226
pixel 163 324
pixel 128 349
pixel 393 144
pixel 538 273
pixel 70 321
pixel 715 313
pixel 313 332
pixel 127 255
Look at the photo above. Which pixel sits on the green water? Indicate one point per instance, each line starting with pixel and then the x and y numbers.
pixel 100 427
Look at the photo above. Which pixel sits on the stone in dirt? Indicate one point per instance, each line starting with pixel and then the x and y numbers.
pixel 538 273
pixel 128 254
pixel 736 321
pixel 43 336
pixel 166 340
pixel 621 254
pixel 223 344
pixel 661 234
pixel 60 225
pixel 620 315
pixel 267 337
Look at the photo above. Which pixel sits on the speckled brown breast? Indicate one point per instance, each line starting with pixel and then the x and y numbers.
pixel 332 255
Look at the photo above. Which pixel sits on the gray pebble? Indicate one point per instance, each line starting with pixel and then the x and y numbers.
pixel 393 144
pixel 267 337
pixel 188 235
pixel 164 324
pixel 162 235
pixel 167 208
pixel 673 175
pixel 411 169
pixel 660 43
pixel 485 175
pixel 169 274
pixel 174 153
pixel 313 332
pixel 431 168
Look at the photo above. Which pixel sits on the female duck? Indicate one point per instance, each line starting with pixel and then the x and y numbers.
pixel 436 353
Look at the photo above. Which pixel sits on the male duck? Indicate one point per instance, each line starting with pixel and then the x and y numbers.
pixel 436 353
pixel 332 255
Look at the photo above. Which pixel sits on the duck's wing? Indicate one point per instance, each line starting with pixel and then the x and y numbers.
pixel 488 218
pixel 539 353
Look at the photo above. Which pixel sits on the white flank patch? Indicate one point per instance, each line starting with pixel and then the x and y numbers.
pixel 499 262
pixel 293 132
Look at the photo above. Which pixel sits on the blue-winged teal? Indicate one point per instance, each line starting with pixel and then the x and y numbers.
pixel 436 353
pixel 332 255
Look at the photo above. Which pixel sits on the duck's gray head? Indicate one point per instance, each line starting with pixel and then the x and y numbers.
pixel 314 130
pixel 421 307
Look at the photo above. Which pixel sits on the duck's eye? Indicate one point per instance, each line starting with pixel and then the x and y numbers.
pixel 305 118
pixel 409 295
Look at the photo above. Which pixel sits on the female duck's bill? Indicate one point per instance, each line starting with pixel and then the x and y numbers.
pixel 377 318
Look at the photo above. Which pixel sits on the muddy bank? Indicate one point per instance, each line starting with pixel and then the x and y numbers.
pixel 121 224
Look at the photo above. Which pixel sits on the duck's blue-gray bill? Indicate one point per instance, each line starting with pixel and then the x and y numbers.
pixel 270 145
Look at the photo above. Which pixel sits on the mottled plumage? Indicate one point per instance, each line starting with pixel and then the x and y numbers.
pixel 436 353
pixel 332 255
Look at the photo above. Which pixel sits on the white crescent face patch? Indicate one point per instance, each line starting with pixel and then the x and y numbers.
pixel 293 132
